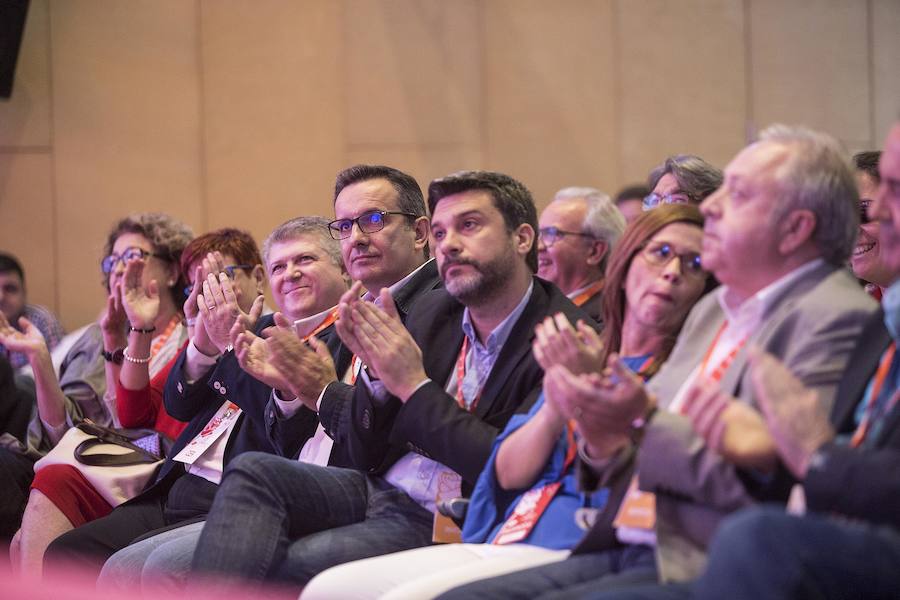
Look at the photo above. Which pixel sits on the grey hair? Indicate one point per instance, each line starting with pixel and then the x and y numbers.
pixel 696 177
pixel 291 230
pixel 602 221
pixel 817 176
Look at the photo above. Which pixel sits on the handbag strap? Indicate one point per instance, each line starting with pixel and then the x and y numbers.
pixel 104 435
pixel 135 457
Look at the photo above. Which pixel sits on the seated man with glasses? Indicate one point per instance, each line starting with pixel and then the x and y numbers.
pixel 224 405
pixel 576 233
pixel 682 179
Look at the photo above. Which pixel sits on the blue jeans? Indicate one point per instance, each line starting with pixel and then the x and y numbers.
pixel 158 563
pixel 765 553
pixel 577 576
pixel 285 521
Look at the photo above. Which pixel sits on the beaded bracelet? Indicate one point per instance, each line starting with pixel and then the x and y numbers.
pixel 131 359
pixel 139 330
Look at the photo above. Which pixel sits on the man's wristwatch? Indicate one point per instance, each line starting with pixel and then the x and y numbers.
pixel 115 357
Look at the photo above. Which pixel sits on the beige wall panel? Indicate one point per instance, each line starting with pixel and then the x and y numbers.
pixel 886 66
pixel 413 72
pixel 424 164
pixel 126 126
pixel 25 117
pixel 810 66
pixel 682 81
pixel 272 110
pixel 26 222
pixel 549 88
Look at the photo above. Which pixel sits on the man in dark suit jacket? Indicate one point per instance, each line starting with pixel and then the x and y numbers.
pixel 427 405
pixel 221 402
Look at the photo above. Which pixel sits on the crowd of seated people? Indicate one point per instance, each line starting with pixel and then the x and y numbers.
pixel 457 397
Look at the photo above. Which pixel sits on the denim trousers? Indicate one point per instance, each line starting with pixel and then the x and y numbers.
pixel 285 521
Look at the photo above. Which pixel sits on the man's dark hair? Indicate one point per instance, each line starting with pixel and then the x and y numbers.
pixel 510 197
pixel 8 263
pixel 409 194
pixel 632 192
pixel 867 162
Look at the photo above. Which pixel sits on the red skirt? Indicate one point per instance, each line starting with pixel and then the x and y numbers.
pixel 72 494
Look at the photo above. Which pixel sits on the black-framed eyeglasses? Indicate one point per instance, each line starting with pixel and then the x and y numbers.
pixel 229 270
pixel 864 205
pixel 677 197
pixel 368 222
pixel 129 254
pixel 551 235
pixel 661 253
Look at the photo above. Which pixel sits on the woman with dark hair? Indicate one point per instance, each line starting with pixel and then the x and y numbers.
pixel 524 506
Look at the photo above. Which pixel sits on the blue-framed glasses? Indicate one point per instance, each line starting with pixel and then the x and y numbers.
pixel 661 253
pixel 229 270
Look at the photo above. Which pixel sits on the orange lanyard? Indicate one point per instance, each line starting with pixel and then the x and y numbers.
pixel 719 371
pixel 588 293
pixel 325 324
pixel 881 374
pixel 644 366
pixel 460 375
pixel 162 338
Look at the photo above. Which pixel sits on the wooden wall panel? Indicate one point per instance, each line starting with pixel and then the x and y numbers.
pixel 683 88
pixel 810 66
pixel 412 72
pixel 126 126
pixel 549 88
pixel 271 109
pixel 885 27
pixel 25 117
pixel 27 223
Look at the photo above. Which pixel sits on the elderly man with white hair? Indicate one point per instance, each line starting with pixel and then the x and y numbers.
pixel 576 232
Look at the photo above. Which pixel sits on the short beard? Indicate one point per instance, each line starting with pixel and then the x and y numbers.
pixel 490 278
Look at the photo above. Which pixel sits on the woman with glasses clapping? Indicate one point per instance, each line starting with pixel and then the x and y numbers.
pixel 142 331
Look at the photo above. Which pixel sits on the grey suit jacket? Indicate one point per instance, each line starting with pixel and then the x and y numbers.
pixel 812 327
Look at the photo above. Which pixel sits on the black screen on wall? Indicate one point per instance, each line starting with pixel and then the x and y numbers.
pixel 12 23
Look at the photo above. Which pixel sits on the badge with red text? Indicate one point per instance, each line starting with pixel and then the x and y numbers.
pixel 527 512
pixel 219 424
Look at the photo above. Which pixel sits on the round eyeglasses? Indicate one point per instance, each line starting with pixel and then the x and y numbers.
pixel 661 253
pixel 129 254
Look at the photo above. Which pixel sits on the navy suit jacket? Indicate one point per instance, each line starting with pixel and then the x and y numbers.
pixel 198 402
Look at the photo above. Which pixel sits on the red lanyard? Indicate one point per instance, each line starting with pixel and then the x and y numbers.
pixel 460 375
pixel 719 371
pixel 884 368
pixel 588 293
pixel 535 501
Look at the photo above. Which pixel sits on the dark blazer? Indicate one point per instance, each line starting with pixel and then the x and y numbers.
pixel 859 482
pixel 430 422
pixel 198 402
pixel 334 410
